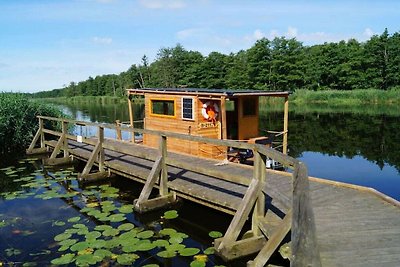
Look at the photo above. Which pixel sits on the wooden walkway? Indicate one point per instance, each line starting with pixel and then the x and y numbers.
pixel 354 226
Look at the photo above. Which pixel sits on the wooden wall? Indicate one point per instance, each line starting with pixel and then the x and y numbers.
pixel 248 125
pixel 179 125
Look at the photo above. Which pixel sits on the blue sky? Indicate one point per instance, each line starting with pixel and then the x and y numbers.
pixel 47 44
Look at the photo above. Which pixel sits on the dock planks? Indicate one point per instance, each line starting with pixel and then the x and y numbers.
pixel 354 225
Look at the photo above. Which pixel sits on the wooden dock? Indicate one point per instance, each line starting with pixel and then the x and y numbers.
pixel 331 223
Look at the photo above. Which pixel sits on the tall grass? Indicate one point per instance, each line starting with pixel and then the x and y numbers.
pixel 353 97
pixel 18 122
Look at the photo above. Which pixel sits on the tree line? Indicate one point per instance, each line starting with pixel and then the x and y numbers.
pixel 278 64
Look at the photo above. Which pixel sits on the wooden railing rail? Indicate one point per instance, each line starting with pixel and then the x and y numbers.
pixel 299 219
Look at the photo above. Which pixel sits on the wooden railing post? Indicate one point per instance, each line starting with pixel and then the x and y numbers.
pixel 101 149
pixel 305 250
pixel 41 133
pixel 164 171
pixel 65 140
pixel 285 126
pixel 259 173
pixel 118 129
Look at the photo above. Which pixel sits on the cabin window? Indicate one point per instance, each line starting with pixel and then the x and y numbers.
pixel 187 108
pixel 249 107
pixel 163 107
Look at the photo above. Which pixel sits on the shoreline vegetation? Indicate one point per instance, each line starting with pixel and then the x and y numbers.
pixel 299 97
pixel 18 122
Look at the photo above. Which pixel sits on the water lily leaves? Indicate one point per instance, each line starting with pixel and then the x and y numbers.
pixel 215 234
pixel 197 263
pixel 126 209
pixel 161 243
pixel 168 231
pixel 80 246
pixel 103 227
pixel 79 226
pixel 209 251
pixel 64 259
pixel 111 232
pixel 117 217
pixel 145 245
pixel 175 240
pixel 102 253
pixel 128 235
pixel 189 252
pixel 145 234
pixel 12 252
pixel 151 265
pixel 92 235
pixel 62 237
pixel 166 254
pixel 68 242
pixel 171 214
pixel 58 223
pixel 126 227
pixel 74 219
pixel 98 243
pixel 112 243
pixel 126 259
pixel 86 259
pixel 92 205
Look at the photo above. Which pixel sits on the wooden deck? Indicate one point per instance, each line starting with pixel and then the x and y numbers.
pixel 354 226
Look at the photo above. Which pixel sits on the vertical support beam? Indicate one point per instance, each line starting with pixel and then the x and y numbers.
pixel 285 126
pixel 223 117
pixel 131 117
pixel 41 132
pixel 65 140
pixel 101 151
pixel 164 171
pixel 118 130
pixel 305 251
pixel 259 173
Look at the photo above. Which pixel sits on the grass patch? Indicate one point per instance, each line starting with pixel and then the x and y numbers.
pixel 354 97
pixel 18 122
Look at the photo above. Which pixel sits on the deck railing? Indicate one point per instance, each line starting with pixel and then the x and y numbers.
pixel 299 219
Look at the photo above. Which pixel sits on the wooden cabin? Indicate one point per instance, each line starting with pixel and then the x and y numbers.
pixel 212 113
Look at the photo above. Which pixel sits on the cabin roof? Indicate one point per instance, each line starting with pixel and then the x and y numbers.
pixel 208 92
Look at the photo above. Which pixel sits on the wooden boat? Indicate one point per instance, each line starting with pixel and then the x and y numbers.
pixel 213 113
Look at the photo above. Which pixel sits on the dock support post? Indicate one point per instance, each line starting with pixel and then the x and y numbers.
pixel 38 136
pixel 118 129
pixel 98 153
pixel 62 143
pixel 158 172
pixel 131 114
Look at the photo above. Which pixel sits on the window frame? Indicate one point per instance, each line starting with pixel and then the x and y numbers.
pixel 193 108
pixel 162 115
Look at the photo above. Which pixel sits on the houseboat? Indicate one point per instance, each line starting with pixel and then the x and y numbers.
pixel 213 113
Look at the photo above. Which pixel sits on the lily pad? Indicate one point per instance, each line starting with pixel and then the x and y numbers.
pixel 62 237
pixel 92 235
pixel 151 265
pixel 209 251
pixel 58 223
pixel 197 263
pixel 86 259
pixel 126 209
pixel 102 253
pixel 64 259
pixel 80 246
pixel 161 243
pixel 126 227
pixel 117 217
pixel 166 254
pixel 79 225
pixel 74 219
pixel 168 231
pixel 68 242
pixel 126 259
pixel 175 240
pixel 111 232
pixel 98 243
pixel 189 252
pixel 215 234
pixel 171 214
pixel 103 227
pixel 145 234
pixel 145 246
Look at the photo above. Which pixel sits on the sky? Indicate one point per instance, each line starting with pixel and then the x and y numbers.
pixel 48 44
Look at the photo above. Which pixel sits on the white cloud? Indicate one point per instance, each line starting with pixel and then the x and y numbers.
pixel 292 32
pixel 188 33
pixel 368 32
pixel 258 34
pixel 102 40
pixel 159 4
